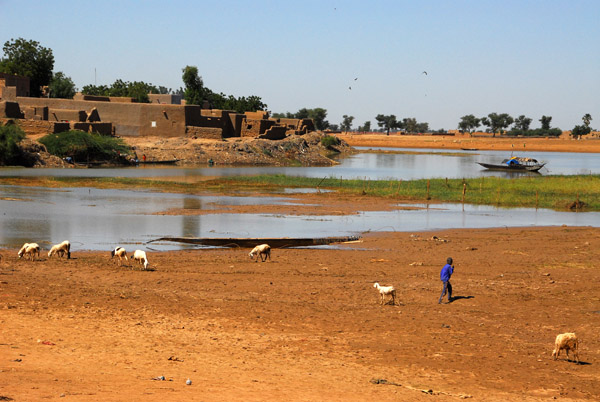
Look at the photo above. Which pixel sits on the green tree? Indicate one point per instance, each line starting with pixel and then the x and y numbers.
pixel 346 124
pixel 579 131
pixel 302 113
pixel 365 127
pixel 422 127
pixel 497 122
pixel 10 136
pixel 61 86
pixel 388 122
pixel 318 115
pixel 587 119
pixel 28 58
pixel 545 120
pixel 96 90
pixel 469 124
pixel 194 86
pixel 139 90
pixel 522 123
pixel 410 124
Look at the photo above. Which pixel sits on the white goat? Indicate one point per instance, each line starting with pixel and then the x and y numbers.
pixel 119 252
pixel 386 291
pixel 140 256
pixel 261 250
pixel 567 341
pixel 29 250
pixel 61 249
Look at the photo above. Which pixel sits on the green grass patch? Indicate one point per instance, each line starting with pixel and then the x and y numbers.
pixel 552 192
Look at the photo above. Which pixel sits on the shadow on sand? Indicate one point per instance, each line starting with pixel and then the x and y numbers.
pixel 455 298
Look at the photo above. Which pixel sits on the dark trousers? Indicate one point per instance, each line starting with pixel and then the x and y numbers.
pixel 447 288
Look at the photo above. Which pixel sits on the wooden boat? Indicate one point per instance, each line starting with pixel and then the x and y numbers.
pixel 277 242
pixel 516 164
pixel 159 162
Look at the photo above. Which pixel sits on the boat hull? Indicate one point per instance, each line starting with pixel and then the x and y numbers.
pixel 513 168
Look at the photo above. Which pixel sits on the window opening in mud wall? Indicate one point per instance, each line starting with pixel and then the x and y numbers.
pixel 249 126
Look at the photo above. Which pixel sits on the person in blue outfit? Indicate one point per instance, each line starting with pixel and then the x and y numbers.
pixel 445 275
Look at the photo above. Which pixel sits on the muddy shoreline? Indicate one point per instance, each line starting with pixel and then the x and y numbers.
pixel 308 325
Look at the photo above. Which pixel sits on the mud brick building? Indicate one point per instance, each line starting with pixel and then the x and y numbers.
pixel 164 116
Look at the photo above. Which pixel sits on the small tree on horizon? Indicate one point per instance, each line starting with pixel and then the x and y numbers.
pixel 388 122
pixel 546 120
pixel 346 123
pixel 469 123
pixel 497 122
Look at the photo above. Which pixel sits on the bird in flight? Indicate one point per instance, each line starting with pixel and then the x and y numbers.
pixel 350 88
pixel 355 78
pixel 425 72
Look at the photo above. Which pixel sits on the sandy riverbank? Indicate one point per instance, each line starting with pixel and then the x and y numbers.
pixel 465 142
pixel 307 324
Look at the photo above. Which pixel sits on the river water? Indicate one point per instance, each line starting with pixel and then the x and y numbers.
pixel 101 219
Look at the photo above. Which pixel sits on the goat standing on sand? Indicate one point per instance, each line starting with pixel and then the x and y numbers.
pixel 140 256
pixel 119 252
pixel 61 249
pixel 261 250
pixel 29 250
pixel 567 341
pixel 386 291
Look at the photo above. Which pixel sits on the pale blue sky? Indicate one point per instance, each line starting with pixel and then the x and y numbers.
pixel 518 57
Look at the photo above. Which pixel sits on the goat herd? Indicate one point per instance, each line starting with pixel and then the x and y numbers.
pixel 567 341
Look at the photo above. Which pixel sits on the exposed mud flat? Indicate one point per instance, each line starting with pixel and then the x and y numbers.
pixel 307 325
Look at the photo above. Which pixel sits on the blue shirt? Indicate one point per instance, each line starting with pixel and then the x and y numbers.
pixel 446 273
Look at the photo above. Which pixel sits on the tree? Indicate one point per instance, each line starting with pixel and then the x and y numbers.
pixel 139 90
pixel 10 136
pixel 365 127
pixel 578 131
pixel 194 87
pixel 95 90
pixel 28 58
pixel 61 86
pixel 545 120
pixel 522 123
pixel 318 115
pixel 469 123
pixel 388 122
pixel 347 123
pixel 585 129
pixel 587 119
pixel 497 122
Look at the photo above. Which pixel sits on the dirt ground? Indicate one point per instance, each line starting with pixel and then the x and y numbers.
pixel 520 145
pixel 307 325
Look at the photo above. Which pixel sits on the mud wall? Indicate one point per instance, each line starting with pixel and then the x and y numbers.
pixel 128 119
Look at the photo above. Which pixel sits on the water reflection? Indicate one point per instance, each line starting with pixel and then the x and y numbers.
pixel 101 219
pixel 428 164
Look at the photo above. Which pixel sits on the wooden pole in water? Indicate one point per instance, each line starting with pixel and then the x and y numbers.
pixel 428 197
pixel 463 194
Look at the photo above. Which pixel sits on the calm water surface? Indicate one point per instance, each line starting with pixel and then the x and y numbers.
pixel 101 219
pixel 429 164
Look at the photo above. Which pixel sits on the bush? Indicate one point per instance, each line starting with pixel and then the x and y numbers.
pixel 10 152
pixel 538 132
pixel 82 146
pixel 330 140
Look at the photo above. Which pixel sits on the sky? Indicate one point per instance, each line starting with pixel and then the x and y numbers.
pixel 355 58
